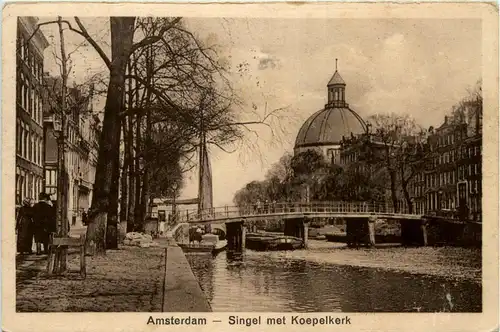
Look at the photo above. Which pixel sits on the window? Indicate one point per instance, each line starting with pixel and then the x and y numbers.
pixel 26 96
pixel 40 148
pixel 37 109
pixel 35 149
pixel 29 155
pixel 18 136
pixel 23 91
pixel 25 141
pixel 20 185
pixel 40 107
pixel 32 101
pixel 21 138
pixel 40 71
pixel 21 47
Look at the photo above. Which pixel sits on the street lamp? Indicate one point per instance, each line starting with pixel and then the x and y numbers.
pixel 59 130
pixel 175 186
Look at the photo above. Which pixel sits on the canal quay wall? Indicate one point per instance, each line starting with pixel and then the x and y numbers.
pixel 182 292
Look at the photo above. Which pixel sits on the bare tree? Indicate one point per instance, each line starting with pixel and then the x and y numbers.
pixel 185 74
pixel 400 137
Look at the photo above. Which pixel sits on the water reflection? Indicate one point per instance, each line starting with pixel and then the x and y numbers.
pixel 260 281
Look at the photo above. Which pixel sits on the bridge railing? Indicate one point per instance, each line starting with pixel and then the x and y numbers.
pixel 282 208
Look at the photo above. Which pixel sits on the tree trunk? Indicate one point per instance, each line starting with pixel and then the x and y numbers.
pixel 131 177
pixel 144 196
pixel 145 192
pixel 124 177
pixel 112 226
pixel 394 194
pixel 138 182
pixel 122 33
pixel 129 152
pixel 407 198
pixel 404 187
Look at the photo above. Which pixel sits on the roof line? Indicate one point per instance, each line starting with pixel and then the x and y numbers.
pixel 305 145
pixel 360 119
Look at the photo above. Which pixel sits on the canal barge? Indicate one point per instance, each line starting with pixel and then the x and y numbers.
pixel 272 242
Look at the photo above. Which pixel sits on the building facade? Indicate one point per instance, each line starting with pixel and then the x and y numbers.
pixel 30 48
pixel 451 181
pixel 81 137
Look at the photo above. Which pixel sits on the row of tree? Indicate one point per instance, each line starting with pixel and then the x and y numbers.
pixel 164 90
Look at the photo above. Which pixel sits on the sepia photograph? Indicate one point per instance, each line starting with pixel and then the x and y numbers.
pixel 250 164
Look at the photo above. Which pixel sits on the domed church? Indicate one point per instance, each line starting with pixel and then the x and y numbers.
pixel 324 130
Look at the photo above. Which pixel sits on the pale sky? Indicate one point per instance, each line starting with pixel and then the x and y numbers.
pixel 419 67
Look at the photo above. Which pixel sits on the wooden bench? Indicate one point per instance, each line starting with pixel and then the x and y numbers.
pixel 64 242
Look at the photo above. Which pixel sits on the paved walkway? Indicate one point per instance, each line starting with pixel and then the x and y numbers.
pixel 129 279
pixel 182 291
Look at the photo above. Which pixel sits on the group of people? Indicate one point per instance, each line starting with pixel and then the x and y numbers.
pixel 38 222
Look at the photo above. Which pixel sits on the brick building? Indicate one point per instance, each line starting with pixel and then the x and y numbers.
pixel 450 183
pixel 30 47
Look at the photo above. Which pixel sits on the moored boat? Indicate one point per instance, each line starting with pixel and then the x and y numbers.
pixel 196 247
pixel 209 243
pixel 263 241
pixel 379 238
pixel 219 246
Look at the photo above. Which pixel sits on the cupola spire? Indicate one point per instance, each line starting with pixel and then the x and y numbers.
pixel 336 89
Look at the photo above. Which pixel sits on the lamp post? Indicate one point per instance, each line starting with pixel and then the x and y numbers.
pixel 61 225
pixel 174 206
pixel 59 128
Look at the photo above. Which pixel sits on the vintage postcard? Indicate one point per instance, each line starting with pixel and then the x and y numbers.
pixel 276 166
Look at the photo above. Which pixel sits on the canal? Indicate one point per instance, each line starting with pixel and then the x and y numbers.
pixel 332 278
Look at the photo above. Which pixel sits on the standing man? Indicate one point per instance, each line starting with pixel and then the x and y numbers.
pixel 84 217
pixel 44 220
pixel 24 228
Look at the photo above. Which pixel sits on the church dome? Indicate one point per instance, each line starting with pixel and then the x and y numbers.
pixel 327 126
pixel 324 129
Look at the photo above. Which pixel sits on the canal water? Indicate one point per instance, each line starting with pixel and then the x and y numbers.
pixel 331 278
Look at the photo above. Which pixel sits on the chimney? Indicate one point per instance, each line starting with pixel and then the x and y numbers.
pixel 446 119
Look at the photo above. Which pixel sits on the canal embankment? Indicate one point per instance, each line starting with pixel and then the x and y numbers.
pixel 182 291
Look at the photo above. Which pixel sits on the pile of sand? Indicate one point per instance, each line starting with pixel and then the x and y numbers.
pixel 139 240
